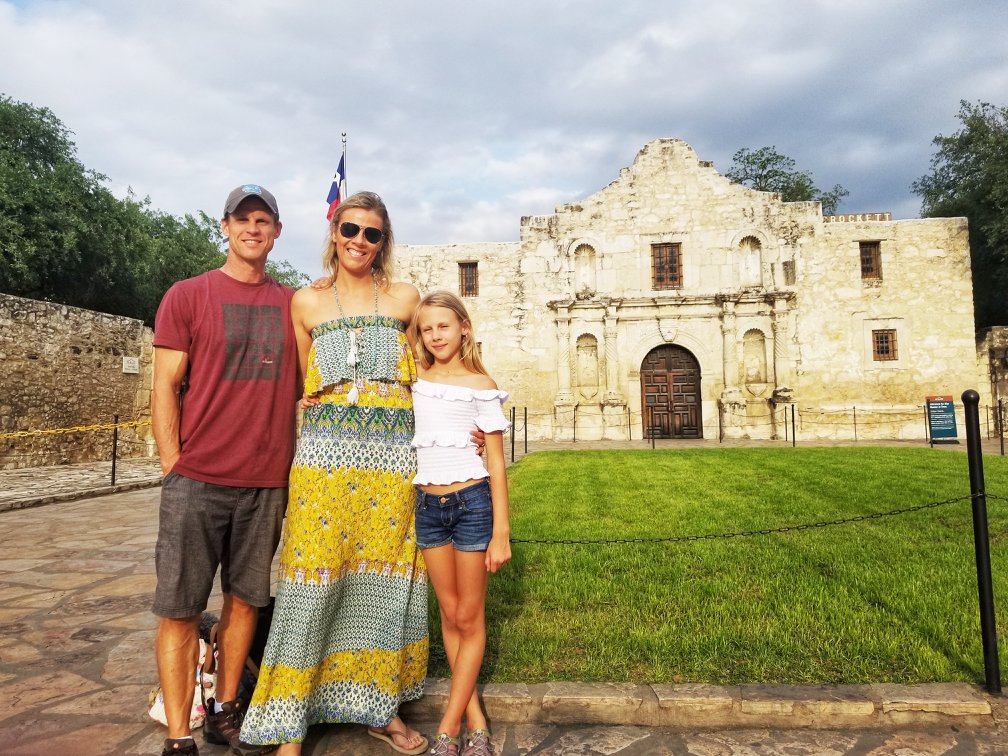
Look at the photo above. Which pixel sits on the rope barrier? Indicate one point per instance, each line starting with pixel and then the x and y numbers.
pixel 76 429
pixel 747 533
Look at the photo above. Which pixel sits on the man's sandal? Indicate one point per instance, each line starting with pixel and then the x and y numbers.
pixel 389 737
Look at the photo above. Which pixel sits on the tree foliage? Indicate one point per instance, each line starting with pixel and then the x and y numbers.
pixel 64 237
pixel 969 177
pixel 767 170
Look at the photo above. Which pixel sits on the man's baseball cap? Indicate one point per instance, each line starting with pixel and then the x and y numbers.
pixel 243 192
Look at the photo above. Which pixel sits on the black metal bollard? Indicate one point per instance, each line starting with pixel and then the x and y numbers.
pixel 981 541
pixel 793 437
pixel 512 433
pixel 115 443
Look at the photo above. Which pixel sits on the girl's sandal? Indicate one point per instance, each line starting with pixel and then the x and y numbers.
pixel 445 745
pixel 478 743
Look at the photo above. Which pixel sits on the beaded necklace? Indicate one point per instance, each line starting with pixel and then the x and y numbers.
pixel 352 358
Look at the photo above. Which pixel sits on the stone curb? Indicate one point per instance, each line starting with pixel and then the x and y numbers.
pixel 38 501
pixel 706 707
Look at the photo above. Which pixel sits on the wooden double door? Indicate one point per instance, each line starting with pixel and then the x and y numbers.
pixel 670 394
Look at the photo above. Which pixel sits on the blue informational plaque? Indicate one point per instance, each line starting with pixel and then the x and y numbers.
pixel 941 417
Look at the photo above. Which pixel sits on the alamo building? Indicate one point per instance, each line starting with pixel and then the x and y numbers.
pixel 677 304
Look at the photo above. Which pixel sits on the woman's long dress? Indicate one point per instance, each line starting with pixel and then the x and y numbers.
pixel 348 641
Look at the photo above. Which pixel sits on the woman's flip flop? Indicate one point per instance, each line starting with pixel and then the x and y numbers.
pixel 387 735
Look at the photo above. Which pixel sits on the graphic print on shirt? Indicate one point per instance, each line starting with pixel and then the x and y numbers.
pixel 253 342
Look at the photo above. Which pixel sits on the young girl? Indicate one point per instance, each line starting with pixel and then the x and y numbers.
pixel 462 507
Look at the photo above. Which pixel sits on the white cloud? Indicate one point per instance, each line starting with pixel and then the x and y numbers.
pixel 466 116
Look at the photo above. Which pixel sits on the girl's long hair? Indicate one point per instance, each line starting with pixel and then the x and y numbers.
pixel 381 268
pixel 470 352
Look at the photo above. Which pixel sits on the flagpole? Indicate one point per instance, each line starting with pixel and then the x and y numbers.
pixel 344 163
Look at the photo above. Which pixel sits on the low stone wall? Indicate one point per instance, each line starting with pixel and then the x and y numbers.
pixel 65 367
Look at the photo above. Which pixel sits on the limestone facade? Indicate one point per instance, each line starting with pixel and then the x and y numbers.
pixel 65 367
pixel 677 303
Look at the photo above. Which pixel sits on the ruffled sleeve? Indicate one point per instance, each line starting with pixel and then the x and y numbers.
pixel 490 411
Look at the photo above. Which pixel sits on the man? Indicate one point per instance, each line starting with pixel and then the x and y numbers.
pixel 226 456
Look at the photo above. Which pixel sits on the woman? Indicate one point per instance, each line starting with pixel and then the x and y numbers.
pixel 348 641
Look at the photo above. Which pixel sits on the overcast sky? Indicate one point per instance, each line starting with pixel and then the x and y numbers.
pixel 467 115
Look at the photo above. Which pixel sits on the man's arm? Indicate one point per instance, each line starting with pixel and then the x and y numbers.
pixel 170 367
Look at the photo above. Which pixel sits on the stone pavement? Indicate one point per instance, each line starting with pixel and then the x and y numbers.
pixel 76 663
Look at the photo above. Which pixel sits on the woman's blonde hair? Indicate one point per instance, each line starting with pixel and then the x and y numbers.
pixel 470 351
pixel 381 268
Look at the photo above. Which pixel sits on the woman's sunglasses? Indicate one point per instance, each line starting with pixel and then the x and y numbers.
pixel 349 230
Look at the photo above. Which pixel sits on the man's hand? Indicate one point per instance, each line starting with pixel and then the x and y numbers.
pixel 322 283
pixel 168 461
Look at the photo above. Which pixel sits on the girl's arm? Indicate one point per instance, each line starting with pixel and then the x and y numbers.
pixel 499 551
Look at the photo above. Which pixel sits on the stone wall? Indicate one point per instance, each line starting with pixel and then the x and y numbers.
pixel 65 367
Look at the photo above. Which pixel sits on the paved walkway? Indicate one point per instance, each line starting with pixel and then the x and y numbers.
pixel 76 665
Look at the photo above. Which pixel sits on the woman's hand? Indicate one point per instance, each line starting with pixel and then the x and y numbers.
pixel 498 552
pixel 478 437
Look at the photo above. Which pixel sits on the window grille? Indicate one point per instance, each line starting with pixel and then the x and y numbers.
pixel 468 279
pixel 666 266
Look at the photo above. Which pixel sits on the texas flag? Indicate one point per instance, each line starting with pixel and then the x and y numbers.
pixel 336 190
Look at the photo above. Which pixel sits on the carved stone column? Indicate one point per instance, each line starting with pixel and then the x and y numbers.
pixel 733 405
pixel 729 347
pixel 782 392
pixel 564 402
pixel 613 395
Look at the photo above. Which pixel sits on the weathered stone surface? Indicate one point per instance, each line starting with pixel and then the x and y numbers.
pixel 62 367
pixel 772 307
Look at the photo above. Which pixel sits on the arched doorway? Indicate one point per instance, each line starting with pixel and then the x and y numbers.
pixel 670 393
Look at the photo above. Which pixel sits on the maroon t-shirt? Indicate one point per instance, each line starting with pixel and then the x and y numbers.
pixel 238 413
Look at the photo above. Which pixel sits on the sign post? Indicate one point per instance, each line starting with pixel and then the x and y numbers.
pixel 941 420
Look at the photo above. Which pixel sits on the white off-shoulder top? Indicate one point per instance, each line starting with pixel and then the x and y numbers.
pixel 445 416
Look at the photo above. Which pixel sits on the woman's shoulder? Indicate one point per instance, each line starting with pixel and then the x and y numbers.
pixel 405 291
pixel 405 297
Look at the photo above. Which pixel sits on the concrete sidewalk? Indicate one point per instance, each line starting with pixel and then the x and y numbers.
pixel 76 663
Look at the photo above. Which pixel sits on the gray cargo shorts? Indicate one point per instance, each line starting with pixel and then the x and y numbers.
pixel 203 526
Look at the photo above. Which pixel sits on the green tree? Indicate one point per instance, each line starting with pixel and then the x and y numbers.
pixel 767 170
pixel 64 237
pixel 969 177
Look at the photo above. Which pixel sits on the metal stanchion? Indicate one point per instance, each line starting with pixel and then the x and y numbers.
pixel 981 541
pixel 115 444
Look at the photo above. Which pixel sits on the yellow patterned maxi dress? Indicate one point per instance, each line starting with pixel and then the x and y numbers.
pixel 348 641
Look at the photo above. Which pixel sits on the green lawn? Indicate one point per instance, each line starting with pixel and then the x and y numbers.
pixel 884 599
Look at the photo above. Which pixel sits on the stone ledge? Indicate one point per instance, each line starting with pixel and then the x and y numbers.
pixel 697 706
pixel 52 498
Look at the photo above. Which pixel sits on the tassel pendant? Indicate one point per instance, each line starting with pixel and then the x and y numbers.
pixel 352 394
pixel 351 358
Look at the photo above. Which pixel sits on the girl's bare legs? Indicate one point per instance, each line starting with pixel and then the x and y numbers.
pixel 459 579
pixel 289 749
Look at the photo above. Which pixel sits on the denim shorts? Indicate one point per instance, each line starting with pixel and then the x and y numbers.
pixel 202 526
pixel 463 519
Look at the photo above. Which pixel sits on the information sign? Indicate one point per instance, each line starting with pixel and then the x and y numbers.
pixel 941 418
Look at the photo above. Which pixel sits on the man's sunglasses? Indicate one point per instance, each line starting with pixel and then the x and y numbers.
pixel 349 230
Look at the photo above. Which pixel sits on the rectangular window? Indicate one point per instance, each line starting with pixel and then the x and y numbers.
pixel 871 261
pixel 468 279
pixel 666 266
pixel 884 344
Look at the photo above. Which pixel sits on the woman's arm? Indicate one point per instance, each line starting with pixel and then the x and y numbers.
pixel 301 307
